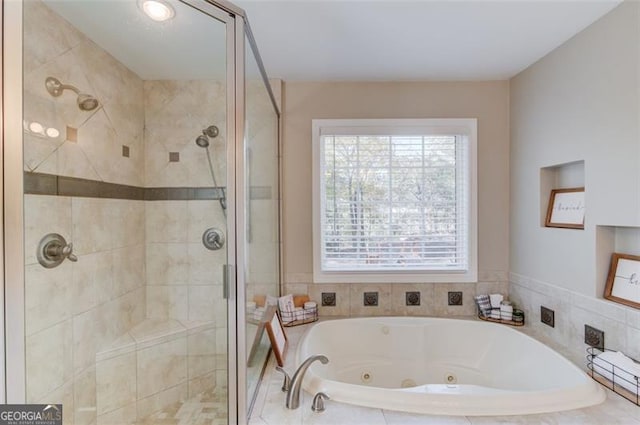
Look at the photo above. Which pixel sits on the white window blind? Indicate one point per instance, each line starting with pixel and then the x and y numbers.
pixel 394 199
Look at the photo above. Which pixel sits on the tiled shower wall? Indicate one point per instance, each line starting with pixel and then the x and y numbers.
pixel 76 309
pixel 136 259
pixel 184 278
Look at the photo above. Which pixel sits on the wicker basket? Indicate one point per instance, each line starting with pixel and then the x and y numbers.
pixel 293 318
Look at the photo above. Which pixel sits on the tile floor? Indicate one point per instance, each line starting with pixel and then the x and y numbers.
pixel 208 408
pixel 269 407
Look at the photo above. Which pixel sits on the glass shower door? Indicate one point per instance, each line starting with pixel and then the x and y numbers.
pixel 261 213
pixel 128 145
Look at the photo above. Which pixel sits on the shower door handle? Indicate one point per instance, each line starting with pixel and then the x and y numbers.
pixel 227 272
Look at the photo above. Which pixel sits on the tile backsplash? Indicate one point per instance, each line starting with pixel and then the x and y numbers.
pixel 573 311
pixel 400 299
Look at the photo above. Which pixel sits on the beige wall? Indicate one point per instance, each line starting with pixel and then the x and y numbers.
pixel 581 103
pixel 487 101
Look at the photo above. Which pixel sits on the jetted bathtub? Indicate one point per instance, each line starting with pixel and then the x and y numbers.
pixel 442 366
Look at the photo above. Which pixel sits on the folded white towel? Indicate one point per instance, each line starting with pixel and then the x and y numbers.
pixel 625 369
pixel 496 299
pixel 495 313
pixel 271 300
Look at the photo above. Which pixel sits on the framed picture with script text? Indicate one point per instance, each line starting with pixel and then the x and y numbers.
pixel 566 208
pixel 623 283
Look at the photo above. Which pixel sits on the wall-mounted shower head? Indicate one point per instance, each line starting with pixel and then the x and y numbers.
pixel 86 102
pixel 209 132
pixel 202 141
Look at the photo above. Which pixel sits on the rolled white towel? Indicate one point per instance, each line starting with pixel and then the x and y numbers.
pixel 309 305
pixel 625 369
pixel 298 313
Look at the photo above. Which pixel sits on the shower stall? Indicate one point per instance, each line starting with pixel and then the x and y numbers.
pixel 141 209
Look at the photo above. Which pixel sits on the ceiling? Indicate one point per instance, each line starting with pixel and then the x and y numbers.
pixel 412 40
pixel 357 40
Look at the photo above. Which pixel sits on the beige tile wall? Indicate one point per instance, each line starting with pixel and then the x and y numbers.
pixel 55 48
pixel 170 129
pixel 76 309
pixel 392 297
pixel 184 279
pixel 572 311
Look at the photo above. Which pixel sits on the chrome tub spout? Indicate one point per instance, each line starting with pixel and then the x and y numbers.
pixel 293 395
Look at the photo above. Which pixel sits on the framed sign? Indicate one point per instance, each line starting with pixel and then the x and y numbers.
pixel 566 208
pixel 623 283
pixel 277 337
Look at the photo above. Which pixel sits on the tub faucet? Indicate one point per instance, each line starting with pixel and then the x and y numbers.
pixel 293 395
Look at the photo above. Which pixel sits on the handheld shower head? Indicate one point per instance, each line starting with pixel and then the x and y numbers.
pixel 202 141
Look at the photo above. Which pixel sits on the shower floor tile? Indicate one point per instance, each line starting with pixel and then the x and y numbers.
pixel 207 408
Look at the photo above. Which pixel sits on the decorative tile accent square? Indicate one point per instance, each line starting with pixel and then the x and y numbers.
pixel 125 151
pixel 370 299
pixel 594 337
pixel 174 156
pixel 72 134
pixel 455 297
pixel 547 316
pixel 328 299
pixel 412 297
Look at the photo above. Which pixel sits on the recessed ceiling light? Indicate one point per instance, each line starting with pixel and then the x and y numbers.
pixel 158 10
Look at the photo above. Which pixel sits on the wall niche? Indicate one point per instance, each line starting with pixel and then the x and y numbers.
pixel 610 239
pixel 559 176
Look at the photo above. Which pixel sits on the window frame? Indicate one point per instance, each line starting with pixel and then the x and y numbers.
pixel 466 127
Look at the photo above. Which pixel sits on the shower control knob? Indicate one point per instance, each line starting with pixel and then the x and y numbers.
pixel 67 252
pixel 213 239
pixel 53 249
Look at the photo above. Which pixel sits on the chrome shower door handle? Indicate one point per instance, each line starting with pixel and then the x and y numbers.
pixel 228 272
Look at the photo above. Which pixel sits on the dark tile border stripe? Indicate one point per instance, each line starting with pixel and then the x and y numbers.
pixel 48 184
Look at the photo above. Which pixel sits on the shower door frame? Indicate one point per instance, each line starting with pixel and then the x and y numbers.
pixel 13 200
